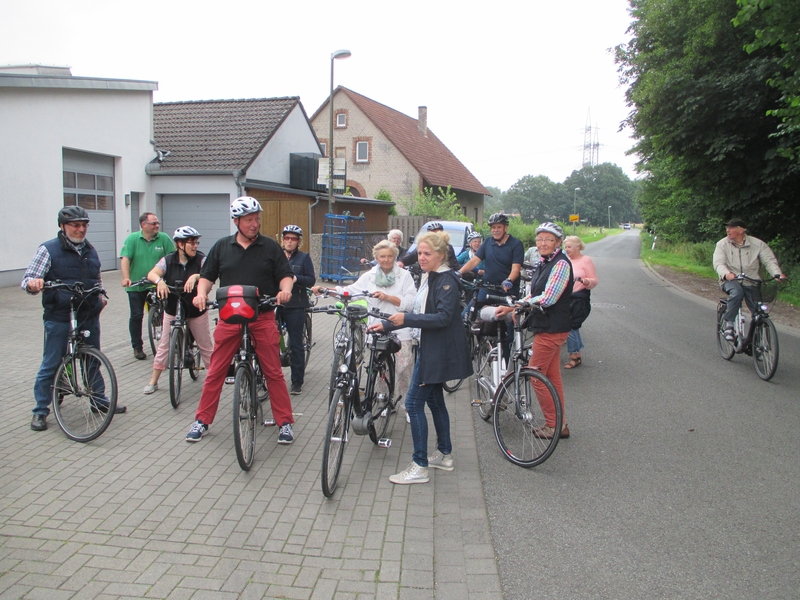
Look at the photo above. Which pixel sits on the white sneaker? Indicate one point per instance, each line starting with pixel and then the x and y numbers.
pixel 437 460
pixel 150 388
pixel 412 474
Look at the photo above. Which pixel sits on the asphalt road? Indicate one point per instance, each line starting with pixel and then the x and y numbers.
pixel 680 479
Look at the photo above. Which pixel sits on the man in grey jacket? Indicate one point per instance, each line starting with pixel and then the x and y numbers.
pixel 739 253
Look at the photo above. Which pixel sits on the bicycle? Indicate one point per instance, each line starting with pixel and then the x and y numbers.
pixel 761 339
pixel 369 415
pixel 154 307
pixel 341 335
pixel 84 390
pixel 183 350
pixel 522 398
pixel 249 390
pixel 285 342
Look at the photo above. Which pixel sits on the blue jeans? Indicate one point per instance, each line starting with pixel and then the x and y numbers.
pixel 574 341
pixel 736 292
pixel 136 301
pixel 55 347
pixel 295 319
pixel 416 399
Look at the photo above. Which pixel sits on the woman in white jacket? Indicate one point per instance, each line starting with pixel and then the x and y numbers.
pixel 392 290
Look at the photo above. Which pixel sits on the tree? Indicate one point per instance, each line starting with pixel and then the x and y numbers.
pixel 531 197
pixel 699 105
pixel 442 205
pixel 495 202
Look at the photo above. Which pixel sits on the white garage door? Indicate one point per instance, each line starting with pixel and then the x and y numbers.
pixel 208 213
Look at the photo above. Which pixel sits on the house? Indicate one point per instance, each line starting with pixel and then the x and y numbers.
pixel 388 150
pixel 70 140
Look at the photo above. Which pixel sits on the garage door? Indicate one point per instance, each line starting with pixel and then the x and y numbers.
pixel 208 213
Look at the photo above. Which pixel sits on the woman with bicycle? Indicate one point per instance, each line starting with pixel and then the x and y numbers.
pixel 551 288
pixel 182 265
pixel 443 355
pixel 392 289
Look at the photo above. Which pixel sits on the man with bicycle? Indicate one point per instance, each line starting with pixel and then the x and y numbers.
pixel 738 253
pixel 246 258
pixel 70 258
pixel 294 311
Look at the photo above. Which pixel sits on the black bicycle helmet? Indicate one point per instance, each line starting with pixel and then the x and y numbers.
pixel 71 214
pixel 498 219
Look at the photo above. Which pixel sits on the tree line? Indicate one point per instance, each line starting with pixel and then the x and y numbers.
pixel 714 92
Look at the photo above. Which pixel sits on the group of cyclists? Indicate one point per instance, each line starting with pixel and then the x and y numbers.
pixel 428 315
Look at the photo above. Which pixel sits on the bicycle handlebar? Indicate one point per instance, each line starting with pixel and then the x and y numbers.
pixel 743 277
pixel 76 288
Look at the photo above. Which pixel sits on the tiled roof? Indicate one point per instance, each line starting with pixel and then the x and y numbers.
pixel 216 135
pixel 429 156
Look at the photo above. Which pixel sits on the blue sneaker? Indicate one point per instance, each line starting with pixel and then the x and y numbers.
pixel 197 431
pixel 286 436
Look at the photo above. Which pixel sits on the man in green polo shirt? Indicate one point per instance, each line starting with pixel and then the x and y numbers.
pixel 140 252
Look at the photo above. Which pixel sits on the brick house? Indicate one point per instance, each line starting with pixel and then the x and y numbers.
pixel 388 150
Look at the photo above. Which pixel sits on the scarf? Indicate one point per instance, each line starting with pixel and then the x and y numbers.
pixel 384 279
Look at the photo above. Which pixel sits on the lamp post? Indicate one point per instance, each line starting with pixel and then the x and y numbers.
pixel 609 217
pixel 336 55
pixel 575 208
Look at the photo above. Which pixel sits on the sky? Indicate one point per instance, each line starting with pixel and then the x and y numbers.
pixel 509 86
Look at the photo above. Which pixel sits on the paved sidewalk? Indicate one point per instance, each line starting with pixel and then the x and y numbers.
pixel 142 513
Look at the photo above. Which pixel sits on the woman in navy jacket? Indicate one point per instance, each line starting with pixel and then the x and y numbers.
pixel 443 355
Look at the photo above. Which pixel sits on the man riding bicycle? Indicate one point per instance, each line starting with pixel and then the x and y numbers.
pixel 739 253
pixel 246 258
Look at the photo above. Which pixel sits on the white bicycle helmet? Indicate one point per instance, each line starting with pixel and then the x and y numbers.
pixel 244 206
pixel 293 229
pixel 498 219
pixel 551 228
pixel 474 235
pixel 185 233
pixel 435 226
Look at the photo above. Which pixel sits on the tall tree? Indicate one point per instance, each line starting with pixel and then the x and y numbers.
pixel 532 197
pixel 699 104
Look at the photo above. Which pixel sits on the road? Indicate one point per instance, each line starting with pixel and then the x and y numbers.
pixel 680 478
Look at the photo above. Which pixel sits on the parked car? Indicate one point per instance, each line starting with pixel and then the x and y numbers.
pixel 458 231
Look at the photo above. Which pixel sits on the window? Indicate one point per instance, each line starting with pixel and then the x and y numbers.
pixel 362 151
pixel 324 146
pixel 341 120
pixel 89 191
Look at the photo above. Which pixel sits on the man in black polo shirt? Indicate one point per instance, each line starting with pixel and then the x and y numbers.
pixel 503 254
pixel 246 258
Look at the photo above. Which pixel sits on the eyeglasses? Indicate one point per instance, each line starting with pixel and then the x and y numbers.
pixel 545 241
pixel 193 242
pixel 152 223
pixel 78 224
pixel 291 237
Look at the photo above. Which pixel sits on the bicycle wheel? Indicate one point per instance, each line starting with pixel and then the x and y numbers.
pixel 307 343
pixel 192 359
pixel 482 378
pixel 177 353
pixel 765 349
pixel 382 399
pixel 726 347
pixel 245 409
pixel 335 441
pixel 84 394
pixel 521 424
pixel 155 319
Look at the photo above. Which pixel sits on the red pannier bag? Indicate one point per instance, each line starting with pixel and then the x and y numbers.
pixel 238 304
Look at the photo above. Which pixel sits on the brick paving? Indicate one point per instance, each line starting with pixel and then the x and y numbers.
pixel 141 513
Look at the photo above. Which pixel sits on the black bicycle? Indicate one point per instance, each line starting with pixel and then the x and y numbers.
pixel 249 392
pixel 760 339
pixel 183 351
pixel 370 414
pixel 285 342
pixel 154 306
pixel 84 390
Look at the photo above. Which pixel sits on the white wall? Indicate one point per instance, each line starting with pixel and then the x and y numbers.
pixel 36 124
pixel 293 136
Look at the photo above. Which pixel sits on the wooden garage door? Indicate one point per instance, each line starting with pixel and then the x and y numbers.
pixel 279 212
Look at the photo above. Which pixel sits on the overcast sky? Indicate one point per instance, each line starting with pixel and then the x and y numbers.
pixel 508 85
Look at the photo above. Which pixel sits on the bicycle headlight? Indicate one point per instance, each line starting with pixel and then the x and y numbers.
pixel 342 369
pixel 765 308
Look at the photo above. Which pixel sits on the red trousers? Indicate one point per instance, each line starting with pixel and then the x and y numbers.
pixel 227 339
pixel 546 356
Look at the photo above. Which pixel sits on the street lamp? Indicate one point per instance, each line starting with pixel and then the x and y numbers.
pixel 609 217
pixel 336 55
pixel 575 207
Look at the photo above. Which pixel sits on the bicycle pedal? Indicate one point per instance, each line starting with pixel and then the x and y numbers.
pixel 229 380
pixel 384 443
pixel 269 423
pixel 477 403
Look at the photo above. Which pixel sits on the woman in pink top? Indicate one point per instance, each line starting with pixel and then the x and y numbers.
pixel 581 306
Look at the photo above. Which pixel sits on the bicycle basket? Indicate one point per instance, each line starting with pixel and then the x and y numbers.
pixel 387 343
pixel 238 304
pixel 769 291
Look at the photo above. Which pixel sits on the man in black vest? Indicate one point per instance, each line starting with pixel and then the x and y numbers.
pixel 68 257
